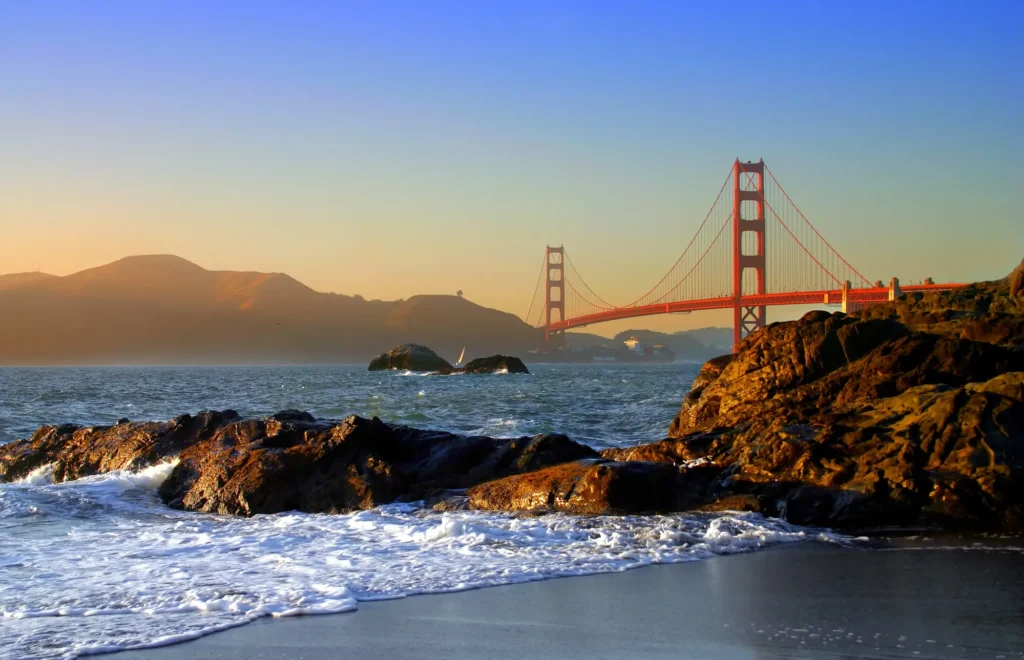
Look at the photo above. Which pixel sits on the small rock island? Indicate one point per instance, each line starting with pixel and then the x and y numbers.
pixel 411 357
pixel 496 364
pixel 414 357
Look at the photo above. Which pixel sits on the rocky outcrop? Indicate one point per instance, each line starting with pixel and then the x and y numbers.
pixel 597 487
pixel 909 413
pixel 496 364
pixel 1016 281
pixel 490 365
pixel 76 451
pixel 409 356
pixel 288 461
pixel 420 358
pixel 991 312
pixel 794 370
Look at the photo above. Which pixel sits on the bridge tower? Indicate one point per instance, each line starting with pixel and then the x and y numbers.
pixel 554 296
pixel 748 218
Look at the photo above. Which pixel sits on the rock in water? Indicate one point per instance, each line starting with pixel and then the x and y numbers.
pixel 1017 281
pixel 409 356
pixel 495 364
pixel 490 365
pixel 596 487
pixel 288 461
pixel 298 463
pixel 77 452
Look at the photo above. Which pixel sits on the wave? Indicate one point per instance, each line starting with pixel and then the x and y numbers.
pixel 135 574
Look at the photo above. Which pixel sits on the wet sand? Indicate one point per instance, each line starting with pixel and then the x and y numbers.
pixel 806 601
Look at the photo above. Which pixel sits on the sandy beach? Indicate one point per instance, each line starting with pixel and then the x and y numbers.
pixel 914 599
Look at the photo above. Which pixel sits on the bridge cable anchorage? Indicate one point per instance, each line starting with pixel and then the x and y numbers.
pixel 536 294
pixel 814 229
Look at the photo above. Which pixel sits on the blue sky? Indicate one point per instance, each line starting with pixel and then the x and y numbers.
pixel 389 149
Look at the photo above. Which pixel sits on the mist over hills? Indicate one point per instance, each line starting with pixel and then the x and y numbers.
pixel 698 344
pixel 162 309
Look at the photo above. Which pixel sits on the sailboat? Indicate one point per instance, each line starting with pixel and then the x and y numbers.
pixel 458 363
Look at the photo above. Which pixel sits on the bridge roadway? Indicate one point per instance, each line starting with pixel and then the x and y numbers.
pixel 855 297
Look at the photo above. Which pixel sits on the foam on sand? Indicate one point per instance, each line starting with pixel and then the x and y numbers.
pixel 108 567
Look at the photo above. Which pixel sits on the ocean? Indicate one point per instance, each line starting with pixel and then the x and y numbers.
pixel 100 564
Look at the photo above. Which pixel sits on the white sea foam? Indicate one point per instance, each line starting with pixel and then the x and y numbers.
pixel 123 571
pixel 41 476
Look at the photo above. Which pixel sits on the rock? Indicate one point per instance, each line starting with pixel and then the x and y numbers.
pixel 595 487
pixel 496 364
pixel 77 452
pixel 792 370
pixel 489 365
pixel 409 356
pixel 984 311
pixel 288 461
pixel 280 464
pixel 1016 281
pixel 908 413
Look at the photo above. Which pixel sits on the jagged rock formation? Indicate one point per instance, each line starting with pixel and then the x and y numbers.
pixel 1016 281
pixel 597 486
pixel 76 451
pixel 409 356
pixel 908 413
pixel 288 461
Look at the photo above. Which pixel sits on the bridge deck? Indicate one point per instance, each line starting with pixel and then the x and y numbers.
pixel 829 297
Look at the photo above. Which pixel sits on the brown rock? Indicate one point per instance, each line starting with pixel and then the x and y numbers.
pixel 77 452
pixel 287 461
pixel 489 365
pixel 409 356
pixel 290 461
pixel 907 413
pixel 1016 281
pixel 595 487
pixel 795 370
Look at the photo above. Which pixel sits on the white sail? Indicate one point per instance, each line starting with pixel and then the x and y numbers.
pixel 461 355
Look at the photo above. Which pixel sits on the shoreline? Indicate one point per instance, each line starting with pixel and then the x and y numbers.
pixel 924 599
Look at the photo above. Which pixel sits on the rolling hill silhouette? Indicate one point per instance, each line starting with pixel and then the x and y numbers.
pixel 162 309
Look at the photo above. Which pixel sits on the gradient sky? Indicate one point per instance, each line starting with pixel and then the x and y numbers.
pixel 389 149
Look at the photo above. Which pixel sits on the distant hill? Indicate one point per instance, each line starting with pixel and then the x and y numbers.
pixel 699 344
pixel 162 309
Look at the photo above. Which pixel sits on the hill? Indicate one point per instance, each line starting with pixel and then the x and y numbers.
pixel 698 344
pixel 162 309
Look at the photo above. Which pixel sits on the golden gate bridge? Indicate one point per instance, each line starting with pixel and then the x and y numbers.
pixel 753 250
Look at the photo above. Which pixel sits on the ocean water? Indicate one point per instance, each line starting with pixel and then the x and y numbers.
pixel 601 405
pixel 101 565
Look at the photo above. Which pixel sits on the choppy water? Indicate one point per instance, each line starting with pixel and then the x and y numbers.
pixel 604 406
pixel 100 564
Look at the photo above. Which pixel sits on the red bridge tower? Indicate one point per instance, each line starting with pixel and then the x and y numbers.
pixel 554 264
pixel 748 251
